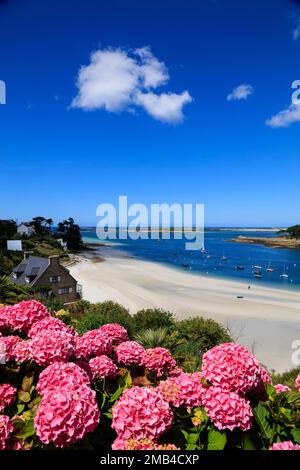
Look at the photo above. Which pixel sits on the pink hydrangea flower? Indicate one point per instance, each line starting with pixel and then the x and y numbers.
pixel 7 347
pixel 184 390
pixel 59 375
pixel 158 360
pixel 66 416
pixel 297 383
pixel 141 412
pixel 227 410
pixel 102 366
pixel 116 332
pixel 176 371
pixel 50 324
pixel 93 343
pixel 52 346
pixel 6 429
pixel 232 367
pixel 129 353
pixel 7 395
pixel 285 445
pixel 282 388
pixel 265 376
pixel 22 316
pixel 142 444
pixel 22 351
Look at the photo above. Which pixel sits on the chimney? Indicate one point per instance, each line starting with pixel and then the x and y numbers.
pixel 27 254
pixel 54 260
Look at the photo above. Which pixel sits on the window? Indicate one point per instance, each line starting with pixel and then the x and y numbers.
pixel 27 279
pixel 65 290
pixel 54 279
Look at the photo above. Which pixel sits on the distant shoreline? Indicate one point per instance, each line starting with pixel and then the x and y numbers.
pixel 190 229
pixel 272 242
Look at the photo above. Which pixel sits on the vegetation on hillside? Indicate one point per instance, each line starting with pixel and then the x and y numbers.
pixel 292 232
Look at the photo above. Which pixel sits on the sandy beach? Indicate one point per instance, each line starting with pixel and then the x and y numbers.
pixel 267 320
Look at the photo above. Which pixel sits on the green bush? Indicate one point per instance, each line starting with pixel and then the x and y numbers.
pixel 152 319
pixel 287 378
pixel 202 334
pixel 106 312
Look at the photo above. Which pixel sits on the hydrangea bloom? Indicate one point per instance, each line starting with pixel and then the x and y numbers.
pixel 59 375
pixel 129 353
pixel 285 445
pixel 158 360
pixel 46 348
pixel 282 388
pixel 102 366
pixel 142 444
pixel 227 410
pixel 22 316
pixel 6 429
pixel 66 416
pixel 116 332
pixel 297 383
pixel 93 343
pixel 141 412
pixel 50 324
pixel 7 347
pixel 232 367
pixel 184 390
pixel 22 351
pixel 7 395
pixel 265 376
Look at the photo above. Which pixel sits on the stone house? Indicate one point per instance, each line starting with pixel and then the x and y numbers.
pixel 47 273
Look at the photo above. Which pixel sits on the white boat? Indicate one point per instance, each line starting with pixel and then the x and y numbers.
pixel 284 275
pixel 257 267
pixel 269 269
pixel 223 257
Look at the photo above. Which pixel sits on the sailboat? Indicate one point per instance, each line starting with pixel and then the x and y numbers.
pixel 284 275
pixel 269 269
pixel 223 257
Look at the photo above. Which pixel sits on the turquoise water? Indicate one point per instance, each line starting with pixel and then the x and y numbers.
pixel 172 252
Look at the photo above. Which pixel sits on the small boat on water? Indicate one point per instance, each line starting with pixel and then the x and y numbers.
pixel 223 257
pixel 257 274
pixel 259 268
pixel 284 275
pixel 269 268
pixel 240 267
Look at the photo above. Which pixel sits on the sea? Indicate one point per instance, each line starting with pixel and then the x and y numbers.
pixel 220 259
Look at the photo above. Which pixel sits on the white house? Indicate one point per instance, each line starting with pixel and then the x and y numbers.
pixel 25 229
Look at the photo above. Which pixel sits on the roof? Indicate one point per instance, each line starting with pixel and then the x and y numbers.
pixel 26 224
pixel 32 266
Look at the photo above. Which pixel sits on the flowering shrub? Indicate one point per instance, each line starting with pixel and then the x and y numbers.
pixel 141 412
pixel 297 383
pixel 158 360
pixel 102 366
pixel 129 353
pixel 116 332
pixel 7 395
pixel 232 367
pixel 227 410
pixel 59 389
pixel 282 388
pixel 93 343
pixel 286 445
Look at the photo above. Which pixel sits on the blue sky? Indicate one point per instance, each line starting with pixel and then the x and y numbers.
pixel 150 141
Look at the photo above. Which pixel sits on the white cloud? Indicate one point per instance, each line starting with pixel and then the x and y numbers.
pixel 117 80
pixel 286 117
pixel 240 93
pixel 296 32
pixel 165 107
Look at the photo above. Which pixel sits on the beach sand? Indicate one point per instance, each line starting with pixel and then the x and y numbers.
pixel 267 320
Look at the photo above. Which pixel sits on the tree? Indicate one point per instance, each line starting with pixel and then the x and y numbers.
pixel 293 232
pixel 37 223
pixel 70 233
pixel 49 222
pixel 8 228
